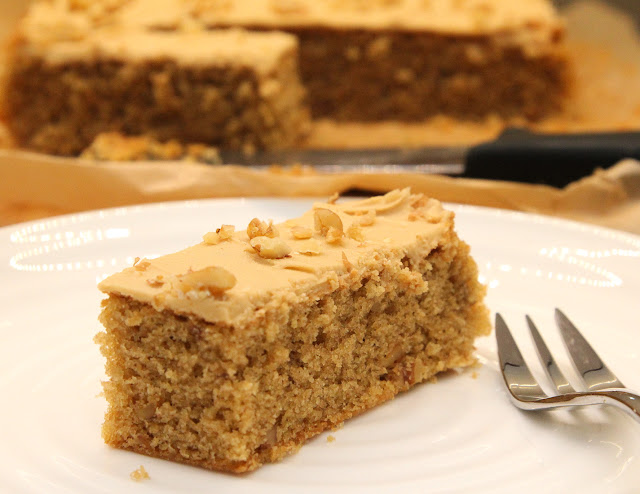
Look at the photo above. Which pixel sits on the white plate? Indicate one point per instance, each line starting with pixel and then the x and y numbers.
pixel 458 435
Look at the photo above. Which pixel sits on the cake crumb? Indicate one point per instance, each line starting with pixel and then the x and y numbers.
pixel 139 474
pixel 330 438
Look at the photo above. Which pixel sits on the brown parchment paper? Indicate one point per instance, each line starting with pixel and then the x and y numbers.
pixel 46 185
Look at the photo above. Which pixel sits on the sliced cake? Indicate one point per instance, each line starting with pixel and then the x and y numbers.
pixel 233 352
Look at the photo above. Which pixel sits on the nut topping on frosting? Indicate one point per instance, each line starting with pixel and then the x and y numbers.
pixel 355 232
pixel 328 224
pixel 334 198
pixel 367 219
pixel 141 265
pixel 156 282
pixel 213 279
pixel 225 232
pixel 259 228
pixel 270 248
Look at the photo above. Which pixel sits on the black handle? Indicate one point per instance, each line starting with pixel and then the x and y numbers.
pixel 524 156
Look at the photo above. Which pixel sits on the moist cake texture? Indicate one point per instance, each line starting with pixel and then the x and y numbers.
pixel 401 59
pixel 235 351
pixel 70 80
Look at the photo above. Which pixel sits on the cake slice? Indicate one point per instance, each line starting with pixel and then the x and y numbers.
pixel 233 352
pixel 70 79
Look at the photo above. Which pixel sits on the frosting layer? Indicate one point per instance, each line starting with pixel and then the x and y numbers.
pixel 229 276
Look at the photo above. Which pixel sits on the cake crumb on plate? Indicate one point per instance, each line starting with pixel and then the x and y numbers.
pixel 139 474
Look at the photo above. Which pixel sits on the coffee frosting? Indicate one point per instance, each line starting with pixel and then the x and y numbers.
pixel 313 265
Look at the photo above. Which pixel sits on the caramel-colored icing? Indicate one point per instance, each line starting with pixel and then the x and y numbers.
pixel 525 21
pixel 62 36
pixel 404 225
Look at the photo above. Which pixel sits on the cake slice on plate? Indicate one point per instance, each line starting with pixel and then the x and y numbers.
pixel 235 351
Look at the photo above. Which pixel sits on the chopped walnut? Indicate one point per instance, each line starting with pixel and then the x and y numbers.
pixel 417 201
pixel 415 215
pixel 156 282
pixel 141 265
pixel 427 209
pixel 270 248
pixel 225 232
pixel 301 232
pixel 367 219
pixel 355 232
pixel 329 224
pixel 394 354
pixel 213 279
pixel 259 228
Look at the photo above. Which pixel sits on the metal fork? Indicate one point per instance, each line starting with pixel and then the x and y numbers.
pixel 602 386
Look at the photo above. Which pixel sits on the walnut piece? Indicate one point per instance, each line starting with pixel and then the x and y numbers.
pixel 355 232
pixel 368 219
pixel 213 279
pixel 270 248
pixel 334 198
pixel 328 224
pixel 141 264
pixel 334 235
pixel 259 228
pixel 225 232
pixel 156 282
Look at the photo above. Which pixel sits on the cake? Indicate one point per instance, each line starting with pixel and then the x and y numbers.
pixel 235 351
pixel 70 80
pixel 164 68
pixel 406 60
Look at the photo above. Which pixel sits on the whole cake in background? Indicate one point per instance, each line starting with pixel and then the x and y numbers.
pixel 170 69
pixel 233 352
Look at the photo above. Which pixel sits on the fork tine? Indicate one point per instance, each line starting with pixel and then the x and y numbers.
pixel 553 371
pixel 591 368
pixel 515 371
